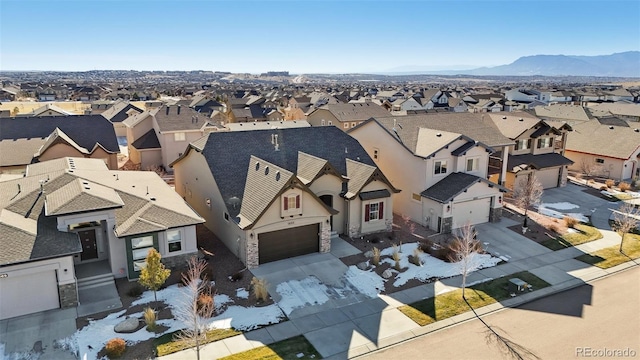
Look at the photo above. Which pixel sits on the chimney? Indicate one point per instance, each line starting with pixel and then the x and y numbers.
pixel 179 106
pixel 167 110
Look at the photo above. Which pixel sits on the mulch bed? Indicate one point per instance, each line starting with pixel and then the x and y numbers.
pixel 539 227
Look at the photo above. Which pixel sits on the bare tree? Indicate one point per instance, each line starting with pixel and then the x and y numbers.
pixel 588 168
pixel 527 194
pixel 625 220
pixel 189 311
pixel 462 249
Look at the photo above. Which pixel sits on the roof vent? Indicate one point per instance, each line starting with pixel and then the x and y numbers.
pixel 152 199
pixel 257 166
pixel 504 118
pixel 439 134
pixel 610 127
pixel 277 175
pixel 87 187
pixel 266 170
pixel 521 119
pixel 636 130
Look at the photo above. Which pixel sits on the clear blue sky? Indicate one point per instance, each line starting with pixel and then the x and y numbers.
pixel 306 36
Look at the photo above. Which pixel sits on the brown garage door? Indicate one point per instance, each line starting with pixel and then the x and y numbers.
pixel 282 244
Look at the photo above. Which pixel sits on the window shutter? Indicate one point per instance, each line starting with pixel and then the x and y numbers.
pixel 366 212
pixel 297 201
pixel 286 203
pixel 380 211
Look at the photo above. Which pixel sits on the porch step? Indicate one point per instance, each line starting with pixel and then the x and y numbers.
pixel 95 281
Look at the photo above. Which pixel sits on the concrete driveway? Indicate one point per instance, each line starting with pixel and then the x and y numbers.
pixel 597 208
pixel 36 333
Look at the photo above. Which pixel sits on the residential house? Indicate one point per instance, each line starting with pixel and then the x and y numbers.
pixel 70 212
pixel 26 140
pixel 611 149
pixel 443 173
pixel 625 111
pixel 119 112
pixel 49 110
pixel 7 94
pixel 158 136
pixel 273 194
pixel 345 116
pixel 572 114
pixel 538 150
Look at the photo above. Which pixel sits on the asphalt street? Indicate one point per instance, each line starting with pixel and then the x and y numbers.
pixel 594 319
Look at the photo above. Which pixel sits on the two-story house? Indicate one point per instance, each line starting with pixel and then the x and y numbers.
pixel 158 136
pixel 68 214
pixel 345 116
pixel 443 174
pixel 538 150
pixel 278 193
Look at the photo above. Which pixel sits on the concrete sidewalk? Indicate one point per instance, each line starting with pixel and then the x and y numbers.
pixel 356 329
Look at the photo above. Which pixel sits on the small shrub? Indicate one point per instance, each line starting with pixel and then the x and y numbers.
pixel 375 259
pixel 115 348
pixel 623 186
pixel 603 188
pixel 396 257
pixel 415 258
pixel 135 290
pixel 150 318
pixel 259 288
pixel 205 301
pixel 554 228
pixel 610 183
pixel 570 221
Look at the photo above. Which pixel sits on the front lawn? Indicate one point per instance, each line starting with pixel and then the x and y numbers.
pixel 444 306
pixel 611 256
pixel 293 348
pixel 585 234
pixel 166 344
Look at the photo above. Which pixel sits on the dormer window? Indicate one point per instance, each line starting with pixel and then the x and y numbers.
pixel 523 144
pixel 544 143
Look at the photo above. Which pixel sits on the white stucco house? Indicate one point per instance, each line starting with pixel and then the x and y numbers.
pixel 274 194
pixel 73 212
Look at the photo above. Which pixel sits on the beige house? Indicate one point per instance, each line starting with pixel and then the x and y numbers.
pixel 538 150
pixel 443 174
pixel 70 213
pixel 345 116
pixel 28 140
pixel 611 149
pixel 274 194
pixel 158 136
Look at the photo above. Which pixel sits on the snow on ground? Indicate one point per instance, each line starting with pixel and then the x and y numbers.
pixel 558 215
pixel 367 282
pixel 299 293
pixel 98 332
pixel 30 355
pixel 242 293
pixel 433 267
pixel 561 206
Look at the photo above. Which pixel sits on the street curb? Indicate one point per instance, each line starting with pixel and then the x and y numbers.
pixel 485 310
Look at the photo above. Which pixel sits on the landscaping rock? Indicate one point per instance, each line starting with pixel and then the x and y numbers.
pixel 362 266
pixel 368 254
pixel 127 326
pixel 387 274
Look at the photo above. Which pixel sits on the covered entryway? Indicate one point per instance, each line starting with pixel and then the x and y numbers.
pixel 473 212
pixel 328 200
pixel 282 244
pixel 22 294
pixel 89 244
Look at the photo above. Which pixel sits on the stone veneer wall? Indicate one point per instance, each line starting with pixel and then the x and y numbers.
pixel 178 261
pixel 564 172
pixel 325 237
pixel 253 253
pixel 495 214
pixel 68 294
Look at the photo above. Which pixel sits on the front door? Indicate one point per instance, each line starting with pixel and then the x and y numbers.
pixel 328 200
pixel 89 246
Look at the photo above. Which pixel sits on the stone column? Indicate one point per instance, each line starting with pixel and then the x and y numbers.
pixel 447 225
pixel 505 158
pixel 253 254
pixel 68 294
pixel 325 237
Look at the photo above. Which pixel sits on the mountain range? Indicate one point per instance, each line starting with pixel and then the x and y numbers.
pixel 624 64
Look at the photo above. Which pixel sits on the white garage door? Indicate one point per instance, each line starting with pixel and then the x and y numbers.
pixel 548 178
pixel 474 212
pixel 26 294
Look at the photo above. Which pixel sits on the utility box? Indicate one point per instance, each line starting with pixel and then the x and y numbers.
pixel 517 286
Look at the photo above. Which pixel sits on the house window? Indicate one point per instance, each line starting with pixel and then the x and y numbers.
pixel 472 164
pixel 346 125
pixel 292 202
pixel 180 136
pixel 441 167
pixel 416 197
pixel 139 249
pixel 375 154
pixel 174 240
pixel 373 211
pixel 599 161
pixel 523 144
pixel 544 143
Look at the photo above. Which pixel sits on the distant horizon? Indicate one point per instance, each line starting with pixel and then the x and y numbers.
pixel 305 37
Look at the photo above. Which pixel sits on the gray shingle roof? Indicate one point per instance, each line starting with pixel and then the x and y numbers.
pixel 18 151
pixel 452 185
pixel 178 118
pixel 591 137
pixel 355 112
pixel 81 196
pixel 118 111
pixel 376 194
pixel 309 166
pixel 147 141
pixel 228 154
pixel 516 163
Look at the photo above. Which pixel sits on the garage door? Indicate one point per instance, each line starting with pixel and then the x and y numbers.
pixel 26 294
pixel 474 212
pixel 548 178
pixel 282 244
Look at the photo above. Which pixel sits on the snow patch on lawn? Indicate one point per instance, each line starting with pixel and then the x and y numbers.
pixel 29 355
pixel 242 293
pixel 98 332
pixel 561 206
pixel 558 215
pixel 367 282
pixel 299 293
